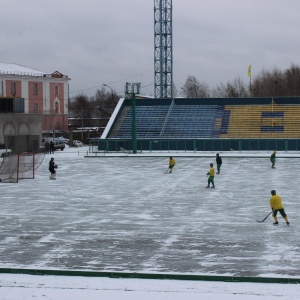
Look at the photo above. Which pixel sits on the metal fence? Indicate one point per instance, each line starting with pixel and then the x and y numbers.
pixel 125 145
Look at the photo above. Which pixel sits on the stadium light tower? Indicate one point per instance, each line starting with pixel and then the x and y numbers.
pixel 163 49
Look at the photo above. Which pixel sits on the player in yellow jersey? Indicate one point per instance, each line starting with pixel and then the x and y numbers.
pixel 172 163
pixel 211 176
pixel 276 205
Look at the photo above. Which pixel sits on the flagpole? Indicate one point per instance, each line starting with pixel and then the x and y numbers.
pixel 249 74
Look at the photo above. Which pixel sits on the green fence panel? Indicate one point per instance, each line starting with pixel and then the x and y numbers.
pixel 292 145
pixel 272 144
pixel 217 145
pixel 243 145
pixel 234 145
pixel 214 145
pixel 174 144
pixel 263 145
pixel 254 145
pixel 156 145
pixel 189 145
pixel 280 145
pixel 200 145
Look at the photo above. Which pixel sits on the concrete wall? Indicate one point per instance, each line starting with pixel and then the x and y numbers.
pixel 20 124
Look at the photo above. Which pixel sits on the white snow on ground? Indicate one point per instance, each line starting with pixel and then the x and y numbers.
pixel 25 287
pixel 125 214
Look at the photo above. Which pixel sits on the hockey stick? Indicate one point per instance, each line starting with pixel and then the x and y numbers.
pixel 167 171
pixel 264 218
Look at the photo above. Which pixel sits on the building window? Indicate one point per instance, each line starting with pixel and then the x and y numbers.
pixel 35 89
pixel 56 107
pixel 35 108
pixel 13 89
pixel 56 90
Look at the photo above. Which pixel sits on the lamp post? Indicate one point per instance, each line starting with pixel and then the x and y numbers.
pixel 82 125
pixel 112 91
pixel 131 89
pixel 187 94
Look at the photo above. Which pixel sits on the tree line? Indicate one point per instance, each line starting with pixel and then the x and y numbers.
pixel 101 105
pixel 274 83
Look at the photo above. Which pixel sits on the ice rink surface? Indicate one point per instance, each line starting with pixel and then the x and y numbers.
pixel 125 214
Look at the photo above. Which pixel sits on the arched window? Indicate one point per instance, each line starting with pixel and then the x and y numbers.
pixel 56 90
pixel 35 89
pixel 35 108
pixel 56 107
pixel 13 89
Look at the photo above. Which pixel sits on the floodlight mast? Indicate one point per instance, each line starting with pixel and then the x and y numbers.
pixel 163 49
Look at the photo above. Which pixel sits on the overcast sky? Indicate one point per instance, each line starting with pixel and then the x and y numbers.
pixel 112 41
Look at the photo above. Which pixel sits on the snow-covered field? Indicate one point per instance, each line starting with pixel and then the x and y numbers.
pixel 25 287
pixel 125 214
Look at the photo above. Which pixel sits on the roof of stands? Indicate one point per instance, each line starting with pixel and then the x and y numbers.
pixel 216 101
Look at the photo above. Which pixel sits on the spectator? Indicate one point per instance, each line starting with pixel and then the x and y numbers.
pixel 51 147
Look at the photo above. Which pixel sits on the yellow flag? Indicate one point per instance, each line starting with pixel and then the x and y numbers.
pixel 249 71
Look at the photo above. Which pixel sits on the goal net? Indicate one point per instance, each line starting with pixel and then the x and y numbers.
pixel 20 156
pixel 15 167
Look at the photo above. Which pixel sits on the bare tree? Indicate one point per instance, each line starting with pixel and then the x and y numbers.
pixel 274 83
pixel 195 89
pixel 269 84
pixel 105 102
pixel 219 91
pixel 234 89
pixel 80 109
pixel 81 106
pixel 292 77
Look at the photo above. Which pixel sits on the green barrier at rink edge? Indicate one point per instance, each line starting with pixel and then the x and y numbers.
pixel 150 276
pixel 219 144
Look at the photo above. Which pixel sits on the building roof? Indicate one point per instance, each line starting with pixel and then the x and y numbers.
pixel 19 70
pixel 14 69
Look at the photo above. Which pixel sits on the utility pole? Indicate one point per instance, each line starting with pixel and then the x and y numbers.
pixel 131 89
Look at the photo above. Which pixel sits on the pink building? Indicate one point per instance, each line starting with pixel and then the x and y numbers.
pixel 45 94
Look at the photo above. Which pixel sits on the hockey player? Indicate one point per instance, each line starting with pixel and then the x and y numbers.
pixel 52 167
pixel 219 162
pixel 276 205
pixel 172 163
pixel 273 158
pixel 211 176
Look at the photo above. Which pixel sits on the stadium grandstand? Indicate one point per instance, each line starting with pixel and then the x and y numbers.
pixel 205 124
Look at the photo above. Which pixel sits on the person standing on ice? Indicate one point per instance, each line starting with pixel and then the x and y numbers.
pixel 211 176
pixel 52 167
pixel 172 163
pixel 51 146
pixel 273 158
pixel 219 162
pixel 276 205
